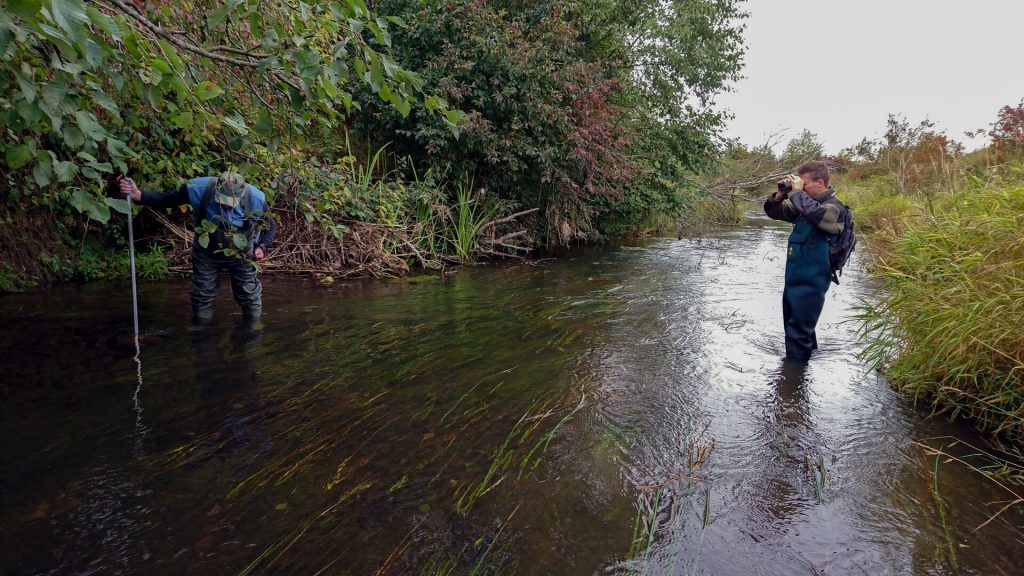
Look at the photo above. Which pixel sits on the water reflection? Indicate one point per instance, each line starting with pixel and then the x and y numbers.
pixel 619 410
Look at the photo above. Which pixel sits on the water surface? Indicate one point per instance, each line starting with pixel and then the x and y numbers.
pixel 616 410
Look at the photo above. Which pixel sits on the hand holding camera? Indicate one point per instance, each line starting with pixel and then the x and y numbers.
pixel 791 183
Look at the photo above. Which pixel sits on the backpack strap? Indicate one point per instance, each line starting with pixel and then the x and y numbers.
pixel 205 202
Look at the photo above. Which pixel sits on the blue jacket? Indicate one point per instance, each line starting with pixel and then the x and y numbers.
pixel 252 210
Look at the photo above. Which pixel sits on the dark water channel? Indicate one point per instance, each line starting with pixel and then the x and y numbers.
pixel 616 411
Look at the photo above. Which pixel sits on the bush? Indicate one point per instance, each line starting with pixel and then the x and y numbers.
pixel 948 326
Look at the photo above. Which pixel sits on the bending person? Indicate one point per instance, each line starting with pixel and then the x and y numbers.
pixel 227 209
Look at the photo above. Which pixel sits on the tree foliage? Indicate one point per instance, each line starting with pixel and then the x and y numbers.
pixel 87 87
pixel 595 112
pixel 589 116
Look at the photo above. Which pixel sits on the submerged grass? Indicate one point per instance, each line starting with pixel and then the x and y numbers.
pixel 525 443
pixel 947 327
pixel 818 470
pixel 660 526
pixel 946 514
pixel 999 470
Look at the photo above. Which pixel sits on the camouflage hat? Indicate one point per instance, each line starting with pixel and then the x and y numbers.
pixel 230 187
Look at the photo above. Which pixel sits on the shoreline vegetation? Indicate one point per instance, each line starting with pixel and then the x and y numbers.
pixel 387 135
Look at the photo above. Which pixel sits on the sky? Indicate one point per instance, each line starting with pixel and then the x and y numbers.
pixel 839 67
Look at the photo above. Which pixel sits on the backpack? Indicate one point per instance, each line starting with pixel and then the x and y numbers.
pixel 839 250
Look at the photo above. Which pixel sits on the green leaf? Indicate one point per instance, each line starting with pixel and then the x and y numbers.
pixel 454 116
pixel 73 137
pixel 330 88
pixel 161 65
pixel 65 170
pixel 358 7
pixel 203 240
pixel 150 75
pixel 6 35
pixel 29 111
pixel 54 93
pixel 240 241
pixel 104 167
pixel 28 87
pixel 42 172
pixel 104 100
pixel 183 120
pixel 118 151
pixel 105 23
pixel 70 15
pixel 265 125
pixel 401 104
pixel 236 123
pixel 25 9
pixel 379 33
pixel 376 74
pixel 390 66
pixel 118 204
pixel 89 126
pixel 207 90
pixel 18 156
pixel 218 16
pixel 86 203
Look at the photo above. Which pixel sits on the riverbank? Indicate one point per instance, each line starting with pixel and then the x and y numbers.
pixel 946 327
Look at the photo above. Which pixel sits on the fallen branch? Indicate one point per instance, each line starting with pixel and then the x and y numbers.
pixel 508 218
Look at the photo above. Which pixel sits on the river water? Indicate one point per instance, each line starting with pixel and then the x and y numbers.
pixel 621 410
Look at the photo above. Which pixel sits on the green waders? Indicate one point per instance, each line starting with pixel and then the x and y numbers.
pixel 807 279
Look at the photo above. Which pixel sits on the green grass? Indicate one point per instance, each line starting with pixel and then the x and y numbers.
pixel 465 221
pixel 946 516
pixel 947 326
pixel 10 281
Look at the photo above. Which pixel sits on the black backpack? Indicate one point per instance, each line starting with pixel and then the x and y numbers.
pixel 839 250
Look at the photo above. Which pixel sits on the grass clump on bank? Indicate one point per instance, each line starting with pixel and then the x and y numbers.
pixel 947 327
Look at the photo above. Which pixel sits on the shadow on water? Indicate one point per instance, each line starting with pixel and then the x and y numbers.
pixel 619 410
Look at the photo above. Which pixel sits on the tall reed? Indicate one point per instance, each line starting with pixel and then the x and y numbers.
pixel 948 324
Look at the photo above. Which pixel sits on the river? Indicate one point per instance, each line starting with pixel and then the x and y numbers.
pixel 616 410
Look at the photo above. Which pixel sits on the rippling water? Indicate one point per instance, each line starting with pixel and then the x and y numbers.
pixel 618 410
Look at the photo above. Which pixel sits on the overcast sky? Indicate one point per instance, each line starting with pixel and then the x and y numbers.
pixel 840 67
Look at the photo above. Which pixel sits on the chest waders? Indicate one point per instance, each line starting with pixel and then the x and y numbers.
pixel 807 280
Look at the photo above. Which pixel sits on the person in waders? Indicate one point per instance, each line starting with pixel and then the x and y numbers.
pixel 807 201
pixel 234 208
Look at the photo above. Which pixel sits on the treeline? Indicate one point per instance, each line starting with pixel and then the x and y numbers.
pixel 388 134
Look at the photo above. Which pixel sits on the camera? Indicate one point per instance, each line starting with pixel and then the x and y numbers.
pixel 785 185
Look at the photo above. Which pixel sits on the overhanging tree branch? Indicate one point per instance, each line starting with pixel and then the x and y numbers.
pixel 156 30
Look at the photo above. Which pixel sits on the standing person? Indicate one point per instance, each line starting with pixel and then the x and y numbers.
pixel 810 204
pixel 233 207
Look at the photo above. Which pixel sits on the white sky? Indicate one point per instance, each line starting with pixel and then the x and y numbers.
pixel 839 69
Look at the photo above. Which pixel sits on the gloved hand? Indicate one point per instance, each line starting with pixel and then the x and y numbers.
pixel 798 182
